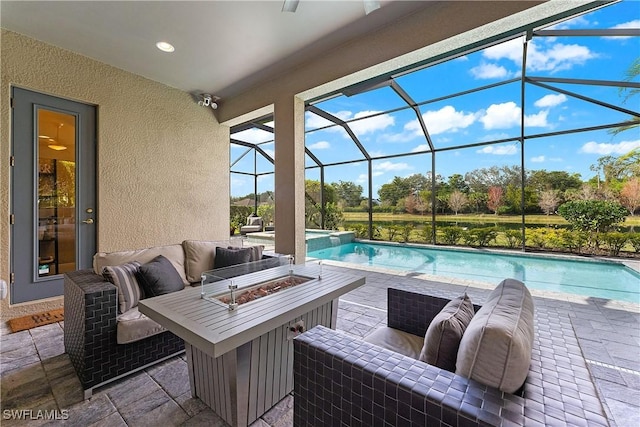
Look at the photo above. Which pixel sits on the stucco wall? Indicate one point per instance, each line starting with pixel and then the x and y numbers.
pixel 163 161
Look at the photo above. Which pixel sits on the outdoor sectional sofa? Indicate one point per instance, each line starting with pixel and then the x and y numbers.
pixel 342 380
pixel 94 323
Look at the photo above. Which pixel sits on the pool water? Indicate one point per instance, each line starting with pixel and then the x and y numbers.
pixel 589 278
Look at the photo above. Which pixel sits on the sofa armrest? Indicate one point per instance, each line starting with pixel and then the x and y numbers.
pixel 90 314
pixel 340 380
pixel 412 312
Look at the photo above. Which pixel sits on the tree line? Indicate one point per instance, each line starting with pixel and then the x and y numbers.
pixel 496 190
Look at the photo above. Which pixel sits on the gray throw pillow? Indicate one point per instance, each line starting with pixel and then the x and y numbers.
pixel 124 277
pixel 159 277
pixel 256 251
pixel 228 257
pixel 445 331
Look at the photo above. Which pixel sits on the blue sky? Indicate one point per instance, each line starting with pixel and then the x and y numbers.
pixel 489 115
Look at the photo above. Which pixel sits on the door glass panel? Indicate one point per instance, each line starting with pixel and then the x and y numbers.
pixel 56 193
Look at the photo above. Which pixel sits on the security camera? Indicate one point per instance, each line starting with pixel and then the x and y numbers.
pixel 209 101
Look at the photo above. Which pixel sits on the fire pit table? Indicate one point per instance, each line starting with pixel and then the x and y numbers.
pixel 239 347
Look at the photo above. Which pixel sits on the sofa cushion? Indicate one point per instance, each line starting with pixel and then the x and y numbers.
pixel 228 257
pixel 173 253
pixel 496 347
pixel 198 257
pixel 134 326
pixel 159 277
pixel 444 333
pixel 396 340
pixel 125 279
pixel 256 251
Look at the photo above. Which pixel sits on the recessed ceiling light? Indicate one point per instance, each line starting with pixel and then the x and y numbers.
pixel 44 136
pixel 57 147
pixel 165 47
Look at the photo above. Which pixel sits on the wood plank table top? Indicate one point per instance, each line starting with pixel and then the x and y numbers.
pixel 215 329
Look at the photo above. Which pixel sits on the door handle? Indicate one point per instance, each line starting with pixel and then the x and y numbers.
pixel 88 221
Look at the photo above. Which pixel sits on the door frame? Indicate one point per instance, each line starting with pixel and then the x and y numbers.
pixel 25 284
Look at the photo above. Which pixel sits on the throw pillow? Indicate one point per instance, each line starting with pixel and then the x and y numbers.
pixel 124 278
pixel 496 347
pixel 256 251
pixel 228 257
pixel 444 333
pixel 159 277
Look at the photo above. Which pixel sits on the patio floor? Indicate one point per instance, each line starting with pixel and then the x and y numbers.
pixel 37 374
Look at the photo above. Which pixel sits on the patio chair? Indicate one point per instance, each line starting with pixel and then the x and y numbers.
pixel 254 225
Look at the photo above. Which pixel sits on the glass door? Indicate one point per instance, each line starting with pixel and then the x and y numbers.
pixel 56 249
pixel 53 193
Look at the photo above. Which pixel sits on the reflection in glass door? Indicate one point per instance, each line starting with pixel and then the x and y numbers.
pixel 56 192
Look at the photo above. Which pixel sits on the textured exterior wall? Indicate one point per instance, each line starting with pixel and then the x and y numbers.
pixel 163 161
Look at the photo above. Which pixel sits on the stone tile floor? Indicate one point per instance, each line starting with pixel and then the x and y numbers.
pixel 36 374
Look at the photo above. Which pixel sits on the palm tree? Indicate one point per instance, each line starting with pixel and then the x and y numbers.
pixel 632 72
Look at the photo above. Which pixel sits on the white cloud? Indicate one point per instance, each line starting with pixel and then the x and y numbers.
pixel 578 21
pixel 554 58
pixel 625 25
pixel 537 120
pixel 500 150
pixel 313 121
pixel 558 57
pixel 550 101
pixel 320 145
pixel 501 116
pixel 405 136
pixel 489 71
pixel 462 58
pixel 368 125
pixel 507 115
pixel 511 50
pixel 360 127
pixel 391 166
pixel 421 147
pixel 446 119
pixel 253 135
pixel 538 159
pixel 494 136
pixel 363 177
pixel 377 153
pixel 607 149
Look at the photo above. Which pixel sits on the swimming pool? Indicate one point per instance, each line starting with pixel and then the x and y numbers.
pixel 589 278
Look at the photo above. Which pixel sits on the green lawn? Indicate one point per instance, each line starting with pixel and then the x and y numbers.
pixel 481 218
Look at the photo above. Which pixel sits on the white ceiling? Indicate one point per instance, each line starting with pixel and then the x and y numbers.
pixel 222 47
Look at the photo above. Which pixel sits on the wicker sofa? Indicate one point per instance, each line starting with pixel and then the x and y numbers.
pixel 342 380
pixel 92 316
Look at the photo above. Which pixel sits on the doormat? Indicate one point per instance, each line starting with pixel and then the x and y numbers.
pixel 34 320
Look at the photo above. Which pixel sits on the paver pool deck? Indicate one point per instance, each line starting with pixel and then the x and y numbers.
pixel 37 374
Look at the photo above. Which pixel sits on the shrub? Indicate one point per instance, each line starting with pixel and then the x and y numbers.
pixel 425 232
pixel 361 230
pixel 536 237
pixel 615 241
pixel 451 235
pixel 634 240
pixel 593 216
pixel 484 236
pixel 405 231
pixel 392 232
pixel 468 238
pixel 513 237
